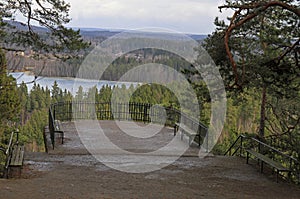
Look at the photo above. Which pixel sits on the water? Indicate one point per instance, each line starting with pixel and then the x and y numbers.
pixel 70 84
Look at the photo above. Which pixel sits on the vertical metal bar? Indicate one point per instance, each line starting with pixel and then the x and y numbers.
pixel 45 140
pixel 207 140
pixel 17 132
pixel 241 146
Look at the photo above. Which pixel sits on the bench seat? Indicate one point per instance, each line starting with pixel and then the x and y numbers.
pixel 15 160
pixel 264 159
pixel 186 131
pixel 57 129
pixel 17 156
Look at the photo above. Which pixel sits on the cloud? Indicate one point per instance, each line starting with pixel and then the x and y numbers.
pixel 183 15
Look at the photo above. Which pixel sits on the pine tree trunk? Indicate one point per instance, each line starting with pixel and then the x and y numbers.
pixel 263 112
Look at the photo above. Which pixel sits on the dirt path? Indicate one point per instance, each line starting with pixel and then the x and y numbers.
pixel 66 173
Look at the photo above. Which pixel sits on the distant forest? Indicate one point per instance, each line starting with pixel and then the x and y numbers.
pixel 50 66
pixel 114 72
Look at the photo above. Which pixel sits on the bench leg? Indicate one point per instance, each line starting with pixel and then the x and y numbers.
pixel 6 173
pixel 181 135
pixel 62 138
pixel 14 172
pixel 247 158
pixel 289 176
pixel 175 129
pixel 261 166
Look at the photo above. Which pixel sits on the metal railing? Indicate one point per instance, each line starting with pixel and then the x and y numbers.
pixel 245 142
pixel 142 112
pixel 286 160
pixel 51 126
pixel 236 146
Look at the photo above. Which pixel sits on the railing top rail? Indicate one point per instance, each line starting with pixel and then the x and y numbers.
pixel 262 143
pixel 10 142
pixel 51 113
pixel 274 149
pixel 231 146
pixel 191 119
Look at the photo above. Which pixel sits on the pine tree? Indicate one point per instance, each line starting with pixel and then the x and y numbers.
pixel 54 40
pixel 23 93
pixel 9 100
pixel 55 93
pixel 261 42
pixel 52 15
pixel 80 94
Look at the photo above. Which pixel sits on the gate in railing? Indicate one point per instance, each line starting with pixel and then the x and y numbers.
pixel 142 112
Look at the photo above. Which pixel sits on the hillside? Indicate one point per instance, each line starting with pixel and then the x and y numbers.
pixel 23 60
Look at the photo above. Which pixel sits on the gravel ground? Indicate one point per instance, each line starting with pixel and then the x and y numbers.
pixel 70 171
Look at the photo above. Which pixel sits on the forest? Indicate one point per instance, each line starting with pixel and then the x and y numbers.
pixel 242 110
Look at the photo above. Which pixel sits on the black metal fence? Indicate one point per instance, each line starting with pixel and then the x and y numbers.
pixel 142 112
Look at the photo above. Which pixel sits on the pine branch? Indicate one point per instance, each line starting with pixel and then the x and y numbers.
pixel 258 8
pixel 258 5
pixel 288 50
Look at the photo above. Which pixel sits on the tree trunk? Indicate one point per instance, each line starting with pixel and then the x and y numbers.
pixel 263 112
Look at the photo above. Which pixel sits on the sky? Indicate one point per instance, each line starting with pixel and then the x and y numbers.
pixel 183 16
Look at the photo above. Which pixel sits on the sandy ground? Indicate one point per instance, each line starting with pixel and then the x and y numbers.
pixel 70 171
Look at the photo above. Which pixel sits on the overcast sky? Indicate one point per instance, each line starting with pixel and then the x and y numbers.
pixel 185 16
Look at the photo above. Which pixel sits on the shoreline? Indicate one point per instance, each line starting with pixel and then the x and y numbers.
pixel 75 79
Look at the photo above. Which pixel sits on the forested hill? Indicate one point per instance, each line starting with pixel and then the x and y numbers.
pixel 24 60
pixel 94 32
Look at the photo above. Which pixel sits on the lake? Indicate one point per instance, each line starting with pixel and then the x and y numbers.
pixel 71 84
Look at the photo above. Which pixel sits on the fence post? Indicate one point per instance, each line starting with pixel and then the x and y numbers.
pixel 241 146
pixel 17 132
pixel 53 114
pixel 70 111
pixel 45 140
pixel 206 140
pixel 145 113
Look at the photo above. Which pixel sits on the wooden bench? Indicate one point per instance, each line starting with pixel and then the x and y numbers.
pixel 2 161
pixel 57 129
pixel 264 159
pixel 14 154
pixel 16 158
pixel 184 130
